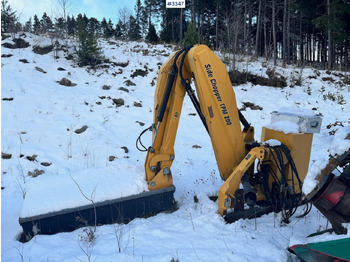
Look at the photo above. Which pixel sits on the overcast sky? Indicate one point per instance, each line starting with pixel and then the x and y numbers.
pixel 92 8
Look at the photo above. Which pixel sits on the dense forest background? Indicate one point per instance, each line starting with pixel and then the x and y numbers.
pixel 312 32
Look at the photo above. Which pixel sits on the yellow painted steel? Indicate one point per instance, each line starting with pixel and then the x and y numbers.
pixel 218 104
pixel 300 147
pixel 226 199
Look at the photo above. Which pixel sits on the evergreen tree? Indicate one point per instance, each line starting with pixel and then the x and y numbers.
pixel 93 26
pixel 88 51
pixel 191 36
pixel 60 24
pixel 134 30
pixel 36 25
pixel 109 29
pixel 165 34
pixel 152 36
pixel 8 17
pixel 46 23
pixel 28 26
pixel 118 33
pixel 104 26
pixel 138 18
pixel 71 25
pixel 144 22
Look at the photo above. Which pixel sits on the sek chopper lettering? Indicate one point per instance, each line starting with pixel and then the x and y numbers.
pixel 216 92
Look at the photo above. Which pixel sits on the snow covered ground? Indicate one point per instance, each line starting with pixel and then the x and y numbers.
pixel 55 137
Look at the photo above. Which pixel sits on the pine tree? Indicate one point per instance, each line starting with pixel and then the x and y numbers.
pixel 109 29
pixel 93 26
pixel 8 17
pixel 144 22
pixel 118 32
pixel 28 26
pixel 60 24
pixel 46 23
pixel 71 25
pixel 88 51
pixel 191 36
pixel 152 36
pixel 36 25
pixel 165 35
pixel 138 18
pixel 104 26
pixel 134 30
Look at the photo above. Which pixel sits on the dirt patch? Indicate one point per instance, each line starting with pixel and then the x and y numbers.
pixel 106 87
pixel 42 50
pixel 6 156
pixel 137 104
pixel 40 70
pixel 118 102
pixel 126 150
pixel 36 173
pixel 139 72
pixel 81 130
pixel 123 89
pixel 66 82
pixel 7 99
pixel 122 64
pixel 250 105
pixel 239 78
pixel 24 61
pixel 129 83
pixel 17 43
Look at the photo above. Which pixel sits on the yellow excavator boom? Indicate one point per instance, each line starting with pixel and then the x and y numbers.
pixel 233 144
pixel 217 104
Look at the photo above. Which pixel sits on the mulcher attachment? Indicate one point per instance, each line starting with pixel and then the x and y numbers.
pixel 120 210
pixel 333 196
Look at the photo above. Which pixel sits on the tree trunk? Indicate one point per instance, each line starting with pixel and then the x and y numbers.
pixel 257 30
pixel 284 45
pixel 288 33
pixel 274 32
pixel 301 46
pixel 180 26
pixel 217 25
pixel 245 28
pixel 266 52
pixel 172 25
pixel 193 15
pixel 330 53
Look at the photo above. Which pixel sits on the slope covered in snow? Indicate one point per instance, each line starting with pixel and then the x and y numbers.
pixel 55 137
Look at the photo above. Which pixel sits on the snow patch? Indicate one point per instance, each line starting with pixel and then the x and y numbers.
pixel 340 144
pixel 284 126
pixel 296 111
pixel 315 169
pixel 47 194
pixel 272 142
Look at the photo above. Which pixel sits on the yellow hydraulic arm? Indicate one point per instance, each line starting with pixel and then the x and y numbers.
pixel 216 105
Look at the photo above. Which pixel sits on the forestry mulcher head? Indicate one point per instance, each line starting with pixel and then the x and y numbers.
pixel 331 196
